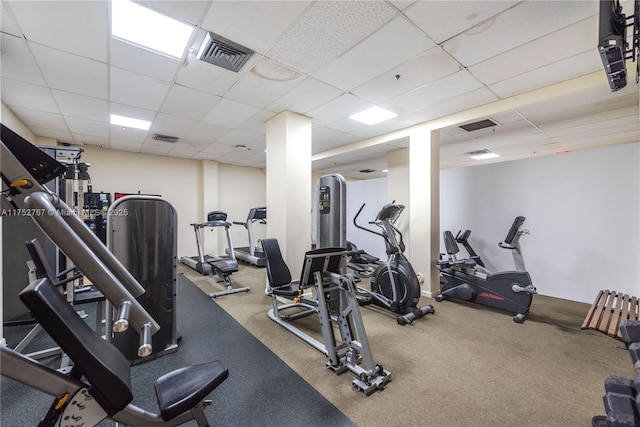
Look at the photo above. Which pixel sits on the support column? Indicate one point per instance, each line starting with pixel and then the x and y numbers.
pixel 289 186
pixel 424 206
pixel 398 189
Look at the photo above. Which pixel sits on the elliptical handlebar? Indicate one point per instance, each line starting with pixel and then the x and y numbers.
pixel 355 218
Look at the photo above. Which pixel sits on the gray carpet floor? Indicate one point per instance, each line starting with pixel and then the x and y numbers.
pixel 261 389
pixel 464 366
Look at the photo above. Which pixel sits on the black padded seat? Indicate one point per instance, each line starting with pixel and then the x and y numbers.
pixel 182 389
pixel 278 272
pixel 105 368
pixel 225 265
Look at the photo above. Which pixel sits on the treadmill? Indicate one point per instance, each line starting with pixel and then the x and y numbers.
pixel 252 254
pixel 210 265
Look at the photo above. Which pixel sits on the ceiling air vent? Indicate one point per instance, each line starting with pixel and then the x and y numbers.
pixel 367 170
pixel 224 53
pixel 481 124
pixel 165 138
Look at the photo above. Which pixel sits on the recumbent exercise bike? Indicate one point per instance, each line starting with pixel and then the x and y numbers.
pixel 394 284
pixel 466 280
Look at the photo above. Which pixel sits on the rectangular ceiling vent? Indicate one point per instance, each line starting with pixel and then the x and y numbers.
pixel 165 138
pixel 224 53
pixel 92 144
pixel 481 124
pixel 367 170
pixel 479 152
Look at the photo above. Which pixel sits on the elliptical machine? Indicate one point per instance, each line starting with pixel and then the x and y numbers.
pixel 394 284
pixel 464 279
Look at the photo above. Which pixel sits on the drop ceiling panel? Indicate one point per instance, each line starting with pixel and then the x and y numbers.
pixel 125 146
pixel 218 149
pixel 41 119
pixel 172 125
pixel 188 103
pixel 229 113
pixel 136 89
pixel 384 127
pixel 81 26
pixel 442 20
pixel 154 149
pixel 143 61
pixel 338 108
pixel 127 134
pixel 130 111
pixel 55 134
pixel 205 77
pixel 183 153
pixel 546 50
pixel 237 137
pixel 567 69
pixel 254 24
pixel 71 73
pixel 80 106
pixel 375 55
pixel 328 29
pixel 88 127
pixel 432 93
pixel 266 82
pixel 18 62
pixel 432 65
pixel 515 27
pixel 26 95
pixel 7 23
pixel 452 105
pixel 82 139
pixel 206 133
pixel 257 123
pixel 308 95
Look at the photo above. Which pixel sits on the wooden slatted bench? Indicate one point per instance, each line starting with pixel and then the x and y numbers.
pixel 608 310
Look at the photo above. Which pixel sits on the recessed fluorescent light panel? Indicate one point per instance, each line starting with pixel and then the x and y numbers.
pixel 373 115
pixel 129 122
pixel 142 26
pixel 483 154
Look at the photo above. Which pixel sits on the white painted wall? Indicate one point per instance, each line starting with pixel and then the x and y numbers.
pixel 180 182
pixel 373 192
pixel 582 210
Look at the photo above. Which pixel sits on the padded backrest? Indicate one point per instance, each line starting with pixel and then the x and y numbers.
pixel 277 271
pixel 450 243
pixel 105 368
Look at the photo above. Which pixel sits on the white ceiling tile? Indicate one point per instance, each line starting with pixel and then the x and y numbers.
pixel 432 65
pixel 187 11
pixel 384 127
pixel 266 82
pixel 347 125
pixel 328 29
pixel 539 52
pixel 71 73
pixel 130 111
pixel 189 103
pixel 80 26
pixel 7 22
pixel 88 127
pixel 136 89
pixel 237 137
pixel 218 149
pixel 80 106
pixel 375 55
pixel 309 94
pixel 128 134
pixel 18 62
pixel 337 109
pixel 183 153
pixel 488 38
pixel 452 105
pixel 254 24
pixel 208 78
pixel 556 72
pixel 142 61
pixel 442 20
pixel 172 125
pixel 26 95
pixel 402 4
pixel 206 133
pixel 161 150
pixel 59 135
pixel 41 119
pixel 257 123
pixel 229 113
pixel 125 145
pixel 432 93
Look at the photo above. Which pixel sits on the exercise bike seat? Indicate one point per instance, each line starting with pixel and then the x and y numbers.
pixel 182 389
